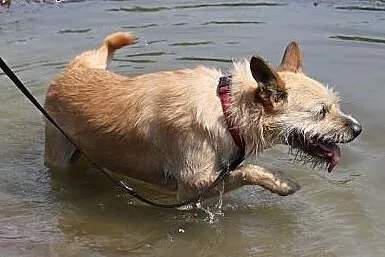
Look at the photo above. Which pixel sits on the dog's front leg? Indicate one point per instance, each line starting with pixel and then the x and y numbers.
pixel 273 180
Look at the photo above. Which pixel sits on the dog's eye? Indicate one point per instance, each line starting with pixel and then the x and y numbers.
pixel 319 111
pixel 322 111
pixel 280 95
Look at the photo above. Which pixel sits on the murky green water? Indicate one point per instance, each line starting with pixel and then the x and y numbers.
pixel 51 214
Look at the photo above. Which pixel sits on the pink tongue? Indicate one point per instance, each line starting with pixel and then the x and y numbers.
pixel 335 156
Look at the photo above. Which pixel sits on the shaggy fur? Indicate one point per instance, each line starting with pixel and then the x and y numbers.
pixel 168 129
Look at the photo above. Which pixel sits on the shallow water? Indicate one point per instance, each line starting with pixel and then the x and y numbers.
pixel 52 214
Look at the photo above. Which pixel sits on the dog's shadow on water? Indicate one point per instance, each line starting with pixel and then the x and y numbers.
pixel 95 217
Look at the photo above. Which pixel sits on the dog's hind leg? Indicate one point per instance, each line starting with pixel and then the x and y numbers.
pixel 60 153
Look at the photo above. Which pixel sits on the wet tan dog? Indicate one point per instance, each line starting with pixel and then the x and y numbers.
pixel 170 130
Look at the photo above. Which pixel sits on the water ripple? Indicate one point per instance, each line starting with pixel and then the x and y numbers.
pixel 24 66
pixel 193 58
pixel 232 22
pixel 148 54
pixel 232 42
pixel 192 43
pixel 65 31
pixel 155 41
pixel 359 38
pixel 133 60
pixel 175 24
pixel 138 8
pixel 140 26
pixel 229 5
pixel 56 65
pixel 360 8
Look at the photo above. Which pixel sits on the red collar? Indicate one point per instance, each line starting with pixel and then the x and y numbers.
pixel 224 93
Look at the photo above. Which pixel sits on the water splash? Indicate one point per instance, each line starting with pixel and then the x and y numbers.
pixel 215 212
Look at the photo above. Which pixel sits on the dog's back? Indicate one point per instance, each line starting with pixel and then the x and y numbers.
pixel 143 124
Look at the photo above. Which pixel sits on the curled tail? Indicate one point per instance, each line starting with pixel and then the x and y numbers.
pixel 99 58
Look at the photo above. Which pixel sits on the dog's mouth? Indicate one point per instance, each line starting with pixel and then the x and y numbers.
pixel 322 150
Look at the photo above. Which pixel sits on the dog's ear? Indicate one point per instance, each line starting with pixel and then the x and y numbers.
pixel 271 88
pixel 292 58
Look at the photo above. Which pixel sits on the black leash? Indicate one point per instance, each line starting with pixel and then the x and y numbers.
pixel 121 184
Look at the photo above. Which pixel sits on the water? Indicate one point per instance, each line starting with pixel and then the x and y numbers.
pixel 53 214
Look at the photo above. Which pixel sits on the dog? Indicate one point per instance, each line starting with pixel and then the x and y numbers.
pixel 175 130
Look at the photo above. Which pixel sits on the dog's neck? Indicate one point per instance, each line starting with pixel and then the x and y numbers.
pixel 224 93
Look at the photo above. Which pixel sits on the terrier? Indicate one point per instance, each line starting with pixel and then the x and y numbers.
pixel 175 130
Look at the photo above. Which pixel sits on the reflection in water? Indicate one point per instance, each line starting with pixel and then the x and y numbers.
pixel 93 215
pixel 107 225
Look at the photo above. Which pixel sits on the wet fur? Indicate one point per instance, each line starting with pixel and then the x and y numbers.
pixel 167 128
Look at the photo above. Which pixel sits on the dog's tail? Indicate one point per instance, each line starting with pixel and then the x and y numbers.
pixel 99 58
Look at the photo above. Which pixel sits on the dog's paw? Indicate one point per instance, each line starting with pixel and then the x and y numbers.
pixel 285 187
pixel 282 184
pixel 275 181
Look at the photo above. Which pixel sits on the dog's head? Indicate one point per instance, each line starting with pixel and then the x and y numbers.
pixel 293 109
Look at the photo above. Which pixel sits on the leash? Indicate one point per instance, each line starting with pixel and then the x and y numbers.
pixel 121 184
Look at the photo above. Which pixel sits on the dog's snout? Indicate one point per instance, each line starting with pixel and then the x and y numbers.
pixel 355 126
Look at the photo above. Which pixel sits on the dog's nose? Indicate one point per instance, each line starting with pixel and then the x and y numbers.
pixel 356 128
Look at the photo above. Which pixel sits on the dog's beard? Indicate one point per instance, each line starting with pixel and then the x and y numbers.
pixel 314 151
pixel 303 158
